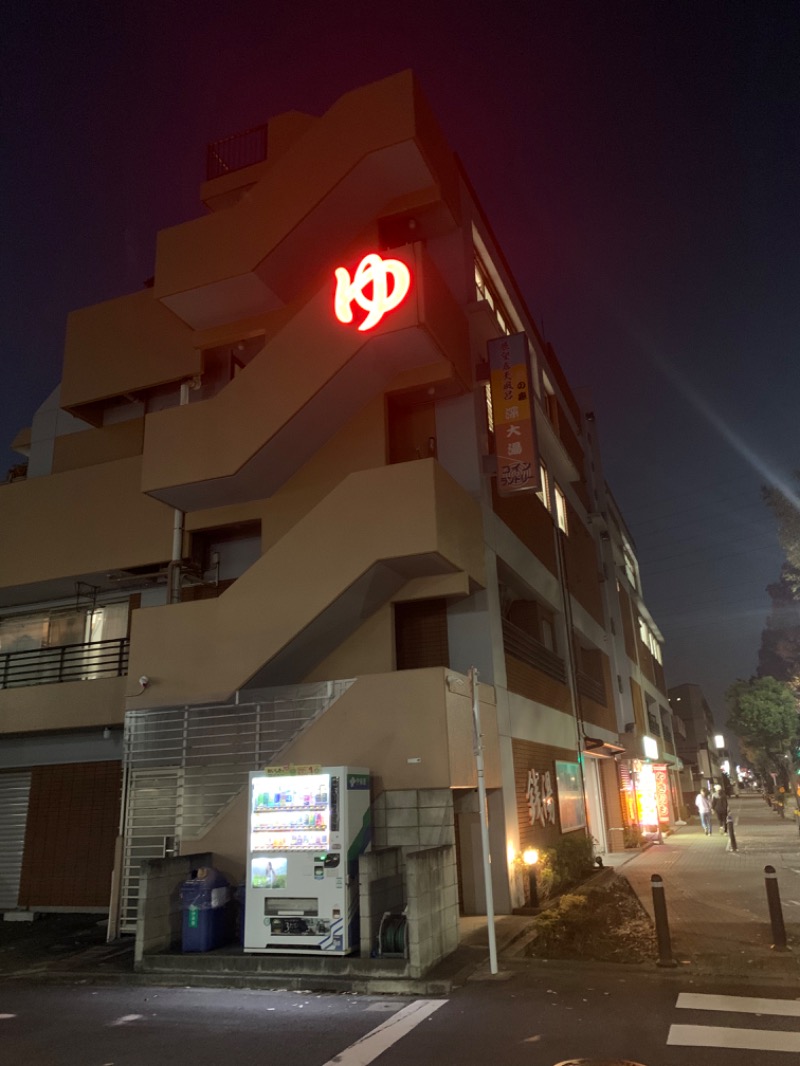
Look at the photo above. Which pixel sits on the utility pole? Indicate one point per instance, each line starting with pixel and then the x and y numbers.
pixel 484 813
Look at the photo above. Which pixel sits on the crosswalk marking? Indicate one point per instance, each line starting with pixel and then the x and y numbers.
pixel 787 1008
pixel 363 1051
pixel 718 1036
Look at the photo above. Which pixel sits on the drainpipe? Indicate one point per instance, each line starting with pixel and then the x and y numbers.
pixel 572 673
pixel 174 568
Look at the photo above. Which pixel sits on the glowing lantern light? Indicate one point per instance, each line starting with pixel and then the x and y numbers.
pixel 375 272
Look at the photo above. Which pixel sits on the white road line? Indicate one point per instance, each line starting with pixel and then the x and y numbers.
pixel 393 1029
pixel 126 1019
pixel 716 1036
pixel 787 1008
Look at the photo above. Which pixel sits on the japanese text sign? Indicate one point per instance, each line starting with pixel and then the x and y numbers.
pixel 513 415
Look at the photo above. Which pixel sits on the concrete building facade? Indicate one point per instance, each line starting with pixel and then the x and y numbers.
pixel 256 532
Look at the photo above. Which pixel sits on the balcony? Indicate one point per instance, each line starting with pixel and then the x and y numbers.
pixel 591 688
pixel 69 662
pixel 529 650
pixel 236 152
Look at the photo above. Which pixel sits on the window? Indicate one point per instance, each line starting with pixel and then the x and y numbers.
pixel 648 638
pixel 629 561
pixel 544 486
pixel 561 510
pixel 485 291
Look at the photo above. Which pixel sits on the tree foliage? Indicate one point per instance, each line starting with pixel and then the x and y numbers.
pixel 764 717
pixel 784 505
pixel 779 653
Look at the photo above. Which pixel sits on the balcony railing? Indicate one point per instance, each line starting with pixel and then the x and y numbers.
pixel 68 662
pixel 528 650
pixel 591 688
pixel 236 152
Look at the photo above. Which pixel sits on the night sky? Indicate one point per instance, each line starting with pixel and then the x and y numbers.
pixel 639 163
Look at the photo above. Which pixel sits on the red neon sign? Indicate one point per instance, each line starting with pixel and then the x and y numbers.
pixel 372 273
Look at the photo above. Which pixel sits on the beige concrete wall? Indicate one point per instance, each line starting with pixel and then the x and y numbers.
pixel 195 652
pixel 119 441
pixel 80 522
pixel 214 439
pixel 369 650
pixel 381 722
pixel 358 445
pixel 231 243
pixel 117 347
pixel 69 705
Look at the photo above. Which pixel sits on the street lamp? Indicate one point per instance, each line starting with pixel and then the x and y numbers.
pixel 530 857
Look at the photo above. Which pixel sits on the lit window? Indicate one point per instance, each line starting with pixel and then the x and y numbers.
pixel 485 291
pixel 561 510
pixel 630 565
pixel 544 487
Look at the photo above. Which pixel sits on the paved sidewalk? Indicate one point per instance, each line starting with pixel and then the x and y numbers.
pixel 716 899
pixel 716 903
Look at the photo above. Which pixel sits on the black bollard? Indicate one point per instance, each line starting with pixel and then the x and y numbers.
pixel 775 912
pixel 731 833
pixel 662 924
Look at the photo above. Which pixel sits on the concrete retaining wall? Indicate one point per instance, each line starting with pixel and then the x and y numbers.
pixel 160 919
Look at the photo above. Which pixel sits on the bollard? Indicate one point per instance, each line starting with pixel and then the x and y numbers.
pixel 731 833
pixel 775 912
pixel 662 924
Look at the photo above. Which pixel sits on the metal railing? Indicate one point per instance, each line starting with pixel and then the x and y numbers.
pixel 527 649
pixel 236 152
pixel 591 688
pixel 67 662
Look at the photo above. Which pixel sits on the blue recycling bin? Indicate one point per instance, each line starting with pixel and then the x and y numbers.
pixel 206 910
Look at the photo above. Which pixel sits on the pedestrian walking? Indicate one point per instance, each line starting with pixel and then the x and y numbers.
pixel 703 805
pixel 719 804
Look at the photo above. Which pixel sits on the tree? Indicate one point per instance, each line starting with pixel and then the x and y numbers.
pixel 764 717
pixel 785 505
pixel 779 654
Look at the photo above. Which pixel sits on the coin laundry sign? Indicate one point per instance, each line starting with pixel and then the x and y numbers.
pixel 377 287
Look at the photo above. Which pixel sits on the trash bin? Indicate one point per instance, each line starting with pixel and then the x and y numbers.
pixel 206 907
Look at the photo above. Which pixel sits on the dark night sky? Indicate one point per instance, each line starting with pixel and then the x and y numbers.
pixel 639 164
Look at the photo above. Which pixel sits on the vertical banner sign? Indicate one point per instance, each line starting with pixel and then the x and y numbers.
pixel 512 411
pixel 662 791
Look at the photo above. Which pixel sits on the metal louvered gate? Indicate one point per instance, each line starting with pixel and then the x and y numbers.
pixel 14 793
pixel 183 766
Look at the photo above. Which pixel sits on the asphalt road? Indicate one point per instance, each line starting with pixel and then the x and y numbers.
pixel 522 1020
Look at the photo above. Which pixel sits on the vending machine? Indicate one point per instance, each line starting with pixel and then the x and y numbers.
pixel 306 828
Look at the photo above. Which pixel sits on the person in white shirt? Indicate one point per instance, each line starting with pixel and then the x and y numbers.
pixel 704 810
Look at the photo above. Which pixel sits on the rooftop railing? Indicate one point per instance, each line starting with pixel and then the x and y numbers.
pixel 236 152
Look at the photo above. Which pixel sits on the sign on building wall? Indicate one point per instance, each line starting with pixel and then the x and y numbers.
pixel 571 808
pixel 513 415
pixel 539 794
pixel 377 286
pixel 661 775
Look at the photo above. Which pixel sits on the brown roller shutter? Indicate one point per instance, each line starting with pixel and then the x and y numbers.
pixel 420 630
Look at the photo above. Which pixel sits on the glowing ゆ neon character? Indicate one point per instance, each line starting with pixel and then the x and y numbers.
pixel 375 272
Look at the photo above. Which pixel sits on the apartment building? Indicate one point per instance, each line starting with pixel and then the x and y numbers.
pixel 697 746
pixel 284 500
